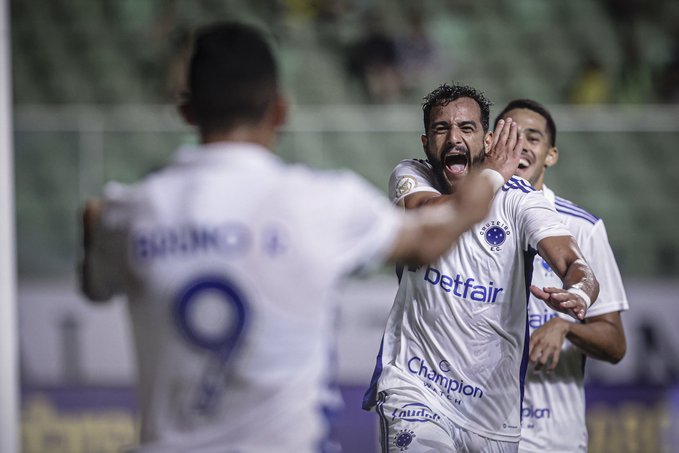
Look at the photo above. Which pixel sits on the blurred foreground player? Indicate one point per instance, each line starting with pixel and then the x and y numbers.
pixel 230 260
pixel 553 414
pixel 449 374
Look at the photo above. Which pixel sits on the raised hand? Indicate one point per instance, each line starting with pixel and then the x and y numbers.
pixel 505 149
pixel 561 300
pixel 546 343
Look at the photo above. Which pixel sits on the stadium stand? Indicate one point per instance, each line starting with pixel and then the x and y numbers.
pixel 107 54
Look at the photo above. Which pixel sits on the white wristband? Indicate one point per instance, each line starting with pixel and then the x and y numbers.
pixel 580 292
pixel 494 177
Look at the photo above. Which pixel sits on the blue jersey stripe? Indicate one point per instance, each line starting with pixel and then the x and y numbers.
pixel 528 258
pixel 566 204
pixel 572 206
pixel 519 184
pixel 370 397
pixel 587 218
pixel 526 184
pixel 577 213
pixel 384 424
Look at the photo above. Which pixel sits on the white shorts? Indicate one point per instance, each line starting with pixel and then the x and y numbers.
pixel 408 425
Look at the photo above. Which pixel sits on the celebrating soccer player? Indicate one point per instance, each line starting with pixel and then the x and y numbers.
pixel 450 370
pixel 553 414
pixel 229 259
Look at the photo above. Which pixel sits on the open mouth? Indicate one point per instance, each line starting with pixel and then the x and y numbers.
pixel 523 163
pixel 456 163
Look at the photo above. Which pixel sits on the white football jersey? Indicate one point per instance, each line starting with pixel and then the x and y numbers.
pixel 458 330
pixel 230 260
pixel 554 404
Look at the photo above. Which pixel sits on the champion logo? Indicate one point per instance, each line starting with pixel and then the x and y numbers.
pixel 495 233
pixel 403 439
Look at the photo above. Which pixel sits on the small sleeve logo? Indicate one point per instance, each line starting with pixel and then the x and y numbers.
pixel 405 185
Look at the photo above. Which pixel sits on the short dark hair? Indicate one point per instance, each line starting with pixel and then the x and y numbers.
pixel 232 76
pixel 536 107
pixel 448 93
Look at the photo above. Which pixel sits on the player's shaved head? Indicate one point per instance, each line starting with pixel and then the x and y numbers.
pixel 232 77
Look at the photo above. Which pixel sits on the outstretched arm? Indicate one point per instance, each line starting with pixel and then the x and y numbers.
pixel 580 287
pixel 430 231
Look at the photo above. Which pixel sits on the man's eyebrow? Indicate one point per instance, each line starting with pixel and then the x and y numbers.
pixel 467 123
pixel 531 130
pixel 440 123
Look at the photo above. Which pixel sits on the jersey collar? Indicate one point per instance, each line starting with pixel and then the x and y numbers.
pixel 213 153
pixel 549 194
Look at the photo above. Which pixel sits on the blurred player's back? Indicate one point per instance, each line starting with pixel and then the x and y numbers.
pixel 230 259
pixel 227 278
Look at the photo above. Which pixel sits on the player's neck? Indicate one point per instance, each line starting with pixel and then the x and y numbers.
pixel 247 134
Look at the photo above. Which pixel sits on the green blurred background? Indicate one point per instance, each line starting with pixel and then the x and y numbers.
pixel 95 83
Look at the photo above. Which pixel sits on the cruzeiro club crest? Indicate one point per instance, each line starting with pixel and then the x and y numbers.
pixel 495 233
pixel 404 438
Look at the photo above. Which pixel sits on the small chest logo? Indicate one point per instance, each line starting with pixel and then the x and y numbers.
pixel 546 269
pixel 495 233
pixel 403 439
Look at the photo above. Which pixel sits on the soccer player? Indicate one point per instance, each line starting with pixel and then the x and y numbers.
pixel 554 400
pixel 229 259
pixel 450 371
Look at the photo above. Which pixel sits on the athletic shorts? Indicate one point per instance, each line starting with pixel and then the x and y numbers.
pixel 408 425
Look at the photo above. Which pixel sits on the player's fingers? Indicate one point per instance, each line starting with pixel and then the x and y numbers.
pixel 512 137
pixel 535 360
pixel 535 347
pixel 575 309
pixel 543 360
pixel 516 152
pixel 570 304
pixel 552 289
pixel 554 360
pixel 580 313
pixel 563 296
pixel 504 135
pixel 496 134
pixel 539 293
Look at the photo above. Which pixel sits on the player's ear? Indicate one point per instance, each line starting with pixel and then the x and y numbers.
pixel 186 109
pixel 552 156
pixel 425 142
pixel 280 110
pixel 487 141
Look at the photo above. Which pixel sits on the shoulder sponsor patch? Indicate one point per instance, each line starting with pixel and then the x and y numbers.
pixel 405 185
